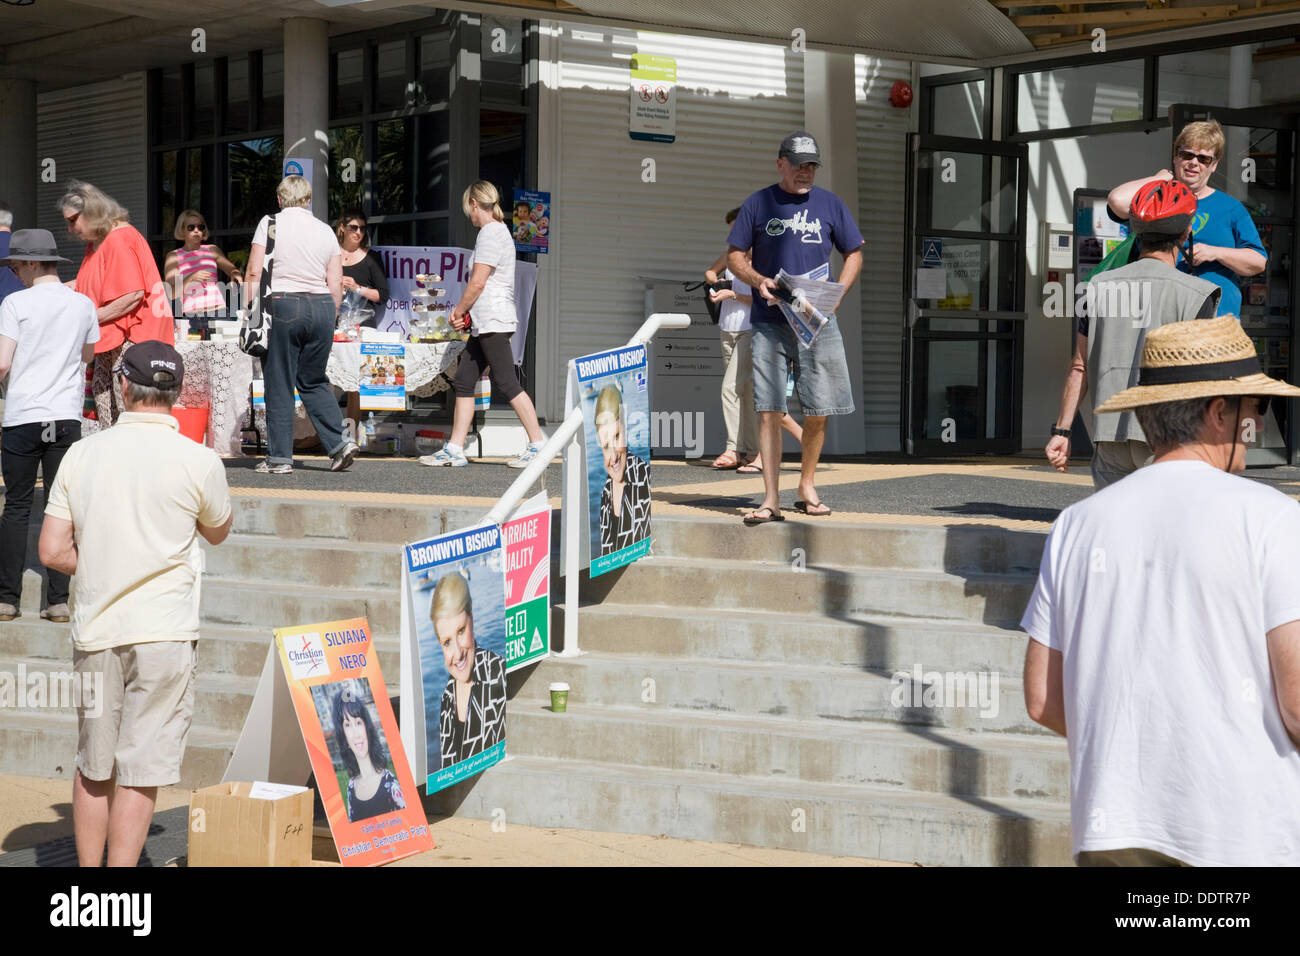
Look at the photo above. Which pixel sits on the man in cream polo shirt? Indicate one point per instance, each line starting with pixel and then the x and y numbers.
pixel 124 516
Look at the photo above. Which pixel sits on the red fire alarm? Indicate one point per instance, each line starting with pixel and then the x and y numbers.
pixel 900 94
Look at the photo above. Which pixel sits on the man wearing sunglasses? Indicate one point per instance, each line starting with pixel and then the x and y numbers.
pixel 1226 243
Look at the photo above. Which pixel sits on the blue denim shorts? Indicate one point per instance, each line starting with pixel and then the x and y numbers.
pixel 821 373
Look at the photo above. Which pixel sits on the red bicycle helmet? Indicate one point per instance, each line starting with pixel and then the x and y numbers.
pixel 1162 208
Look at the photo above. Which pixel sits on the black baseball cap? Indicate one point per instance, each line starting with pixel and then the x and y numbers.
pixel 799 148
pixel 155 364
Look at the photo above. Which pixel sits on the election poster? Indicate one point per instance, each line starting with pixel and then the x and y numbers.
pixel 454 608
pixel 383 376
pixel 613 390
pixel 352 742
pixel 452 266
pixel 528 592
pixel 531 223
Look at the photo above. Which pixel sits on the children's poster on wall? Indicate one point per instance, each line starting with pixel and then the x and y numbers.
pixel 528 592
pixel 455 610
pixel 383 376
pixel 352 741
pixel 531 225
pixel 613 390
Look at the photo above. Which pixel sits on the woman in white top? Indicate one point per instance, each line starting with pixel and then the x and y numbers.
pixel 306 288
pixel 490 293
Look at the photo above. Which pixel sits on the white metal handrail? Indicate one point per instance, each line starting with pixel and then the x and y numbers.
pixel 565 441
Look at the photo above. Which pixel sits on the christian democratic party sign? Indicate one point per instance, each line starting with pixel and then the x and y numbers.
pixel 613 389
pixel 356 752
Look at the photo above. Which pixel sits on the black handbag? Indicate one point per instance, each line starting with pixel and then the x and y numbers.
pixel 255 328
pixel 715 308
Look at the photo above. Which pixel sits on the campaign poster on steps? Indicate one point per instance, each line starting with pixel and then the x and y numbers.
pixel 455 611
pixel 356 753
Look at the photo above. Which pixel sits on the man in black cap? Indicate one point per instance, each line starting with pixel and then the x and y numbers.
pixel 47 334
pixel 125 516
pixel 794 225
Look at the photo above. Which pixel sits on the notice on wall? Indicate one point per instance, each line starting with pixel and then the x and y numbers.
pixel 531 222
pixel 653 98
pixel 336 690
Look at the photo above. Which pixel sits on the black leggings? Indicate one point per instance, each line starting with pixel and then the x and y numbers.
pixel 491 350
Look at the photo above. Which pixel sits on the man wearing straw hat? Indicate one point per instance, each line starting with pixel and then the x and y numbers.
pixel 1165 626
pixel 1122 308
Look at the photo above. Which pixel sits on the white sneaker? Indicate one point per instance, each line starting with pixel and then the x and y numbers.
pixel 444 457
pixel 527 458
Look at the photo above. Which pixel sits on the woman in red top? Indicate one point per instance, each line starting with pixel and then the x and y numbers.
pixel 120 276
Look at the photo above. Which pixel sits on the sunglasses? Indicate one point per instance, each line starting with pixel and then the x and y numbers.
pixel 190 227
pixel 1204 159
pixel 353 227
pixel 70 220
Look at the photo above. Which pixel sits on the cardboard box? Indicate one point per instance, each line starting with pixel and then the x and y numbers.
pixel 230 828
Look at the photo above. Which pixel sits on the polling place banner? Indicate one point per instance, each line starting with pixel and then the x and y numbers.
pixel 383 376
pixel 352 740
pixel 613 390
pixel 454 616
pixel 528 572
pixel 403 263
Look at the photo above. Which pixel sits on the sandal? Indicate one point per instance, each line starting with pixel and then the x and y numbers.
pixel 773 514
pixel 726 461
pixel 814 509
pixel 749 468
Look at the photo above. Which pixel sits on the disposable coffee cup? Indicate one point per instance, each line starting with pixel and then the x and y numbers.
pixel 559 697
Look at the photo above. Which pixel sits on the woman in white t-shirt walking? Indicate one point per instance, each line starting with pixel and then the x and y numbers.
pixel 490 292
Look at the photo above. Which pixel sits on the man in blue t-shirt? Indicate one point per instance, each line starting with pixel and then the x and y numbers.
pixel 793 225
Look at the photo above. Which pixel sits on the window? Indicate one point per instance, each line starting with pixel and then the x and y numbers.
pixel 271 115
pixel 390 75
pixel 348 76
pixel 1079 96
pixel 957 109
pixel 237 95
pixel 254 168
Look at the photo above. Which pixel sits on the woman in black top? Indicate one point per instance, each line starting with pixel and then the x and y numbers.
pixel 363 270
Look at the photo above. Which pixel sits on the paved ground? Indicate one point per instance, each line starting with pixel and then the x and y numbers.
pixel 38 812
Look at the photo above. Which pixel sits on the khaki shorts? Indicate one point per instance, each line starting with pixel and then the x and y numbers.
pixel 142 716
pixel 1113 460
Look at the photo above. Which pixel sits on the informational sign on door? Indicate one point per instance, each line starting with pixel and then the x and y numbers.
pixel 653 98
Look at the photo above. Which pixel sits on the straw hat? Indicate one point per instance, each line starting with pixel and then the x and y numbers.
pixel 1201 358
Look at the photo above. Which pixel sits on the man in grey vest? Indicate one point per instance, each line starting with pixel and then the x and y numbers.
pixel 1123 305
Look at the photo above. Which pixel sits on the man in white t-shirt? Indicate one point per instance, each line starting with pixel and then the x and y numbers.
pixel 1165 626
pixel 47 334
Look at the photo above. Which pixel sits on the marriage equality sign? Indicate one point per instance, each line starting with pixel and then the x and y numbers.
pixel 613 389
pixel 528 571
pixel 454 641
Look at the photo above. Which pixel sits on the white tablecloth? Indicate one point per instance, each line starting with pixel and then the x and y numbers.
pixel 218 374
pixel 429 366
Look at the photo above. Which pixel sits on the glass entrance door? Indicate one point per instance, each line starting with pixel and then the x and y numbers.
pixel 965 287
pixel 1258 168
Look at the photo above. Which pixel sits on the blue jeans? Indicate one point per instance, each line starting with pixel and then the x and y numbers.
pixel 27 447
pixel 302 333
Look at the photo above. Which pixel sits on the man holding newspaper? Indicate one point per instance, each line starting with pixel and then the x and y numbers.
pixel 791 227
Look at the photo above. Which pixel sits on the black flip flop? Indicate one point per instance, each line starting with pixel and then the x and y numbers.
pixel 774 514
pixel 802 508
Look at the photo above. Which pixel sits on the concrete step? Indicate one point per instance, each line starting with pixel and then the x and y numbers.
pixel 224 601
pixel 44 744
pixel 832 543
pixel 876 641
pixel 994 766
pixel 881 823
pixel 358 522
pixel 833 592
pixel 311 561
pixel 798 692
pixel 235 651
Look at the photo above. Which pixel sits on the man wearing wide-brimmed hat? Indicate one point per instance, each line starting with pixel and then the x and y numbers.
pixel 1165 626
pixel 47 333
pixel 1122 307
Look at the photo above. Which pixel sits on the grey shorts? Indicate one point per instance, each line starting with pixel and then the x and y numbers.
pixel 1113 460
pixel 821 372
pixel 141 714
